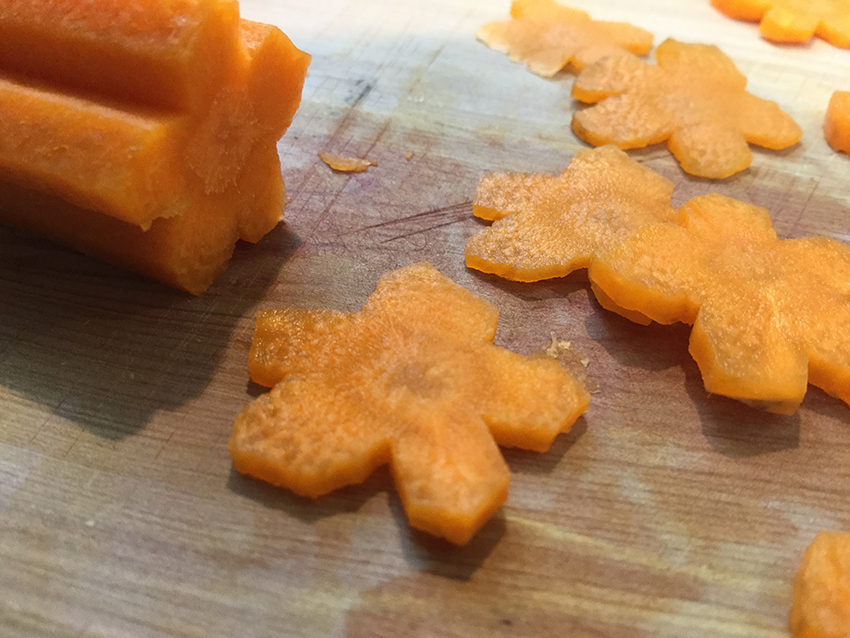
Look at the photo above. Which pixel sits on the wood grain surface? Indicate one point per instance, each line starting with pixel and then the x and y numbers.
pixel 665 512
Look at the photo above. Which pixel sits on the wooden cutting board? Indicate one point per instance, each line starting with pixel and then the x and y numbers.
pixel 665 512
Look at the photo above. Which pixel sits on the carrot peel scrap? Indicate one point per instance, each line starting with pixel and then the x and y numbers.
pixel 413 380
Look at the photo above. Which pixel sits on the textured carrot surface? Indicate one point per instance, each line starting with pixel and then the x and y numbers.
pixel 412 380
pixel 161 53
pixel 193 140
pixel 836 124
pixel 548 37
pixel 821 599
pixel 793 21
pixel 693 98
pixel 768 315
pixel 548 226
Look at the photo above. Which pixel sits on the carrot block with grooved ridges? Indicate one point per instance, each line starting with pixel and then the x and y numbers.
pixel 144 133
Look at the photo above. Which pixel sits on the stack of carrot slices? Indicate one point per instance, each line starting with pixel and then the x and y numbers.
pixel 769 316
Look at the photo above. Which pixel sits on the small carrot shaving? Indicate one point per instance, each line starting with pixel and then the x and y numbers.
pixel 346 164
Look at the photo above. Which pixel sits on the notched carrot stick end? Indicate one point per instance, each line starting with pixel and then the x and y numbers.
pixel 157 157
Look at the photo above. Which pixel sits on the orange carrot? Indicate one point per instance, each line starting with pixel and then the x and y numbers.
pixel 694 98
pixel 412 380
pixel 162 179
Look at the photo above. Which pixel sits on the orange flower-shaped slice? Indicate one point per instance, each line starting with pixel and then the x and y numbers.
pixel 793 21
pixel 412 380
pixel 694 98
pixel 547 37
pixel 548 226
pixel 821 599
pixel 836 124
pixel 768 315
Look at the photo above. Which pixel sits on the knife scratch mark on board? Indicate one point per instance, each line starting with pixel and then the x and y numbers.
pixel 419 231
pixel 805 206
pixel 384 127
pixel 453 208
pixel 420 72
pixel 351 111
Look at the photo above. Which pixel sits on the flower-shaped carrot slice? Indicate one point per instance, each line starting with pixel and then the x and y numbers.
pixel 821 599
pixel 546 37
pixel 549 226
pixel 694 98
pixel 793 21
pixel 768 315
pixel 836 124
pixel 412 380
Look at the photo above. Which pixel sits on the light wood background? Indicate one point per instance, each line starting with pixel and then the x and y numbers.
pixel 666 512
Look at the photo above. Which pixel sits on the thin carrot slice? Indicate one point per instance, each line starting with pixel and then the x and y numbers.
pixel 694 98
pixel 793 21
pixel 551 226
pixel 412 380
pixel 769 316
pixel 821 598
pixel 547 37
pixel 836 125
